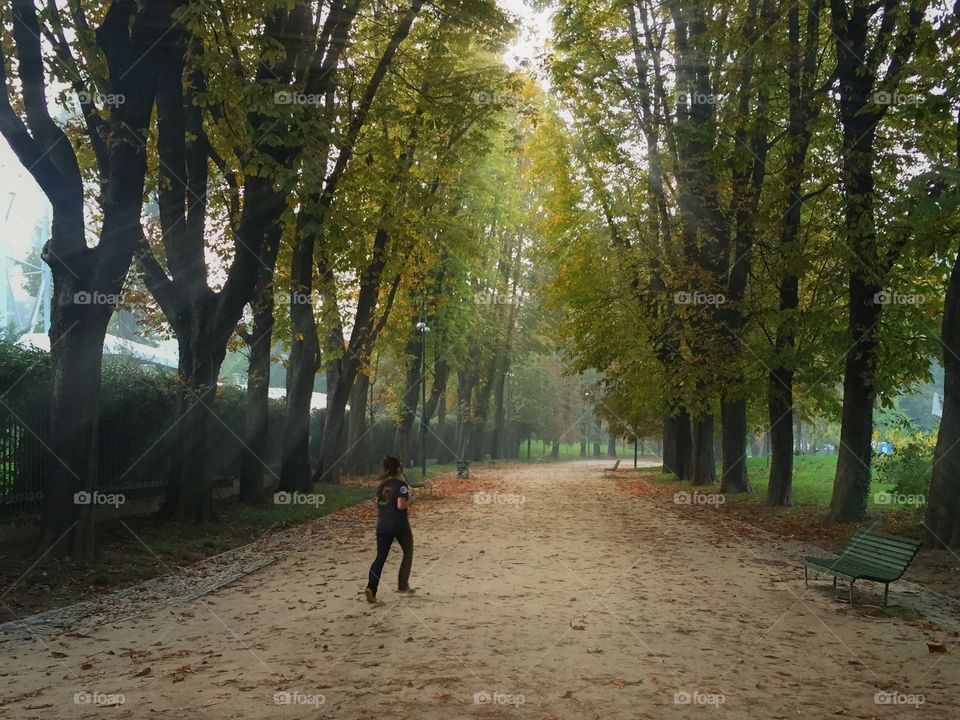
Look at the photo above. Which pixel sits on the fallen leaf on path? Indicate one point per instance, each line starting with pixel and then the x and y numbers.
pixel 441 696
pixel 143 673
pixel 937 648
pixel 618 682
pixel 58 654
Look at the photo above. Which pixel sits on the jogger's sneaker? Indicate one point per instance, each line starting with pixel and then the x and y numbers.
pixel 371 595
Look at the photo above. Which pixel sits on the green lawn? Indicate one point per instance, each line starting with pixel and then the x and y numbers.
pixel 812 481
pixel 807 518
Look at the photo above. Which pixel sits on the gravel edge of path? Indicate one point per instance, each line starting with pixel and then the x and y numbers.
pixel 178 586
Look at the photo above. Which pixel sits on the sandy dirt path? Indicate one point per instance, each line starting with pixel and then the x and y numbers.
pixel 554 595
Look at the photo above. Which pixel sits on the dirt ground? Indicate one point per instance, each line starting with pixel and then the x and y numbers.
pixel 554 593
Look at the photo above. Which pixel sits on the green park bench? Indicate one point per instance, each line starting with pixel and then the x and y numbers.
pixel 419 483
pixel 612 470
pixel 869 555
pixel 490 461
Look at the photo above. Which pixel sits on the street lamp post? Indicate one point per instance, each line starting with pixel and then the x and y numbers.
pixel 423 328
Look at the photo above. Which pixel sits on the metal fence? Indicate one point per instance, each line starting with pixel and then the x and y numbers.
pixel 22 453
pixel 138 467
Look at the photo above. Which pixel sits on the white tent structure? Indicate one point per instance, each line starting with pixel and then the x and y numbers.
pixel 113 345
pixel 318 401
pixel 166 355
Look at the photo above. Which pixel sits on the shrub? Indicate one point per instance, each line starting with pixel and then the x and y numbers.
pixel 910 466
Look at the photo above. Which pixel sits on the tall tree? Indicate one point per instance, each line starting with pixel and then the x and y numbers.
pixel 203 319
pixel 86 280
pixel 804 105
pixel 872 59
pixel 310 239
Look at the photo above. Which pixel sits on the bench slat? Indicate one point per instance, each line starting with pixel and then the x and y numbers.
pixel 866 547
pixel 879 557
pixel 877 566
pixel 888 540
pixel 871 553
pixel 854 570
pixel 881 553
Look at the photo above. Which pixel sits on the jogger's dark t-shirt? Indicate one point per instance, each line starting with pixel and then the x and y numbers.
pixel 392 519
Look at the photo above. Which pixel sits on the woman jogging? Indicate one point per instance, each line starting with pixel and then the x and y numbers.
pixel 393 495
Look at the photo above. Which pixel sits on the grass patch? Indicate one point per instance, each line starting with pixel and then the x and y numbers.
pixel 238 524
pixel 812 489
pixel 139 548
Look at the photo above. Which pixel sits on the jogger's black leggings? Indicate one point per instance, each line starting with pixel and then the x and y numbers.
pixel 384 541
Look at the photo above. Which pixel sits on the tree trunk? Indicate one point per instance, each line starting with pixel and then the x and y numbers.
pixel 555 450
pixel 301 375
pixel 733 418
pixel 497 444
pixel 445 452
pixel 851 485
pixel 254 458
pixel 702 468
pixel 943 506
pixel 780 399
pixel 303 363
pixel 359 460
pixel 70 465
pixel 189 495
pixel 441 370
pixel 403 439
pixel 611 446
pixel 676 444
